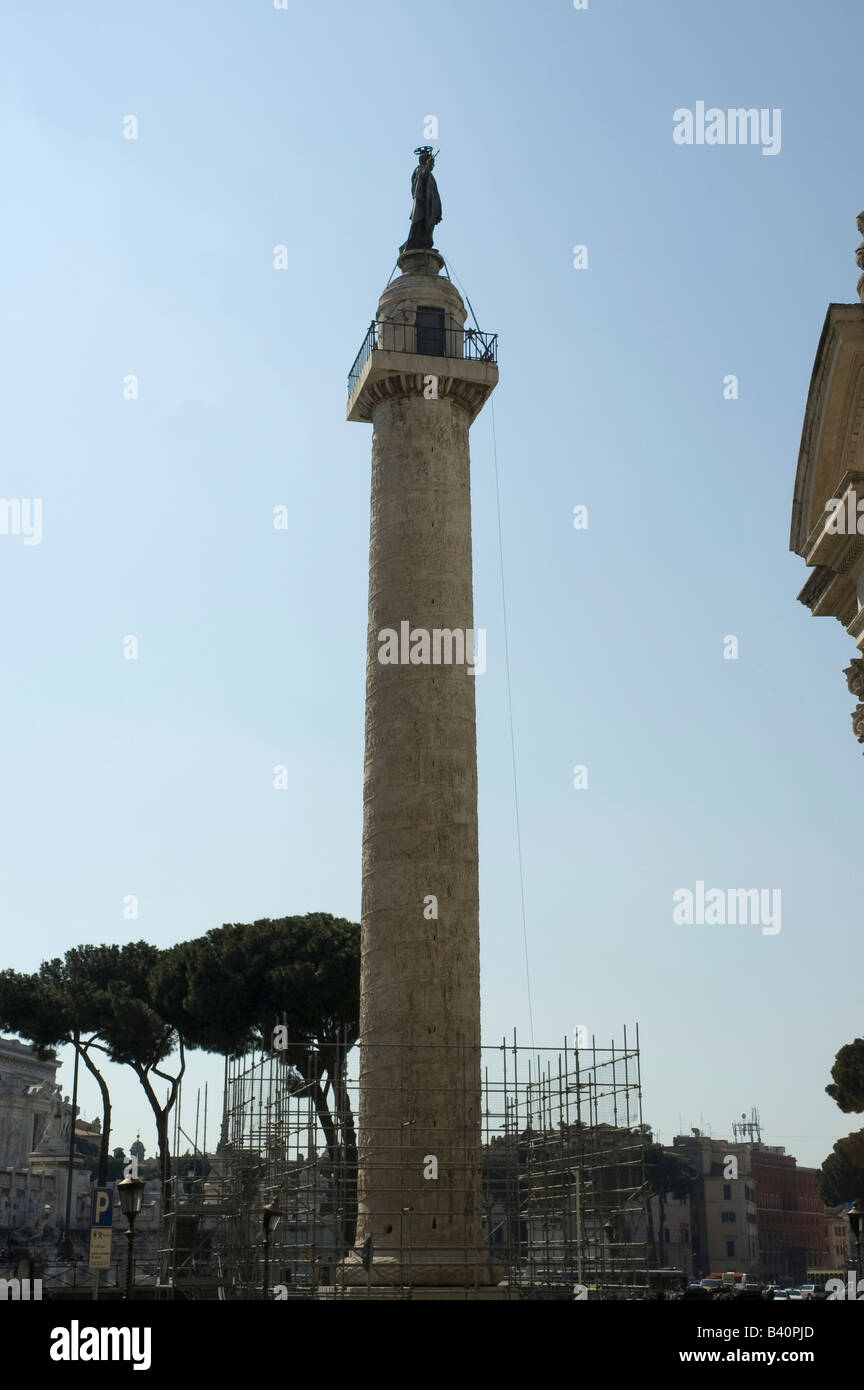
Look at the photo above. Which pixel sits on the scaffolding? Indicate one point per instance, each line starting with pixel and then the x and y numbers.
pixel 563 1178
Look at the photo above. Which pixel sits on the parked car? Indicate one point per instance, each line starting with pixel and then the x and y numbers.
pixel 780 1295
pixel 751 1288
pixel 695 1290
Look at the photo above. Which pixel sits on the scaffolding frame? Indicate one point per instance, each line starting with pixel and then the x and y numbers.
pixel 563 1179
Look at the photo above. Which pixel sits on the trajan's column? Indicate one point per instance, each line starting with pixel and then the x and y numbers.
pixel 420 379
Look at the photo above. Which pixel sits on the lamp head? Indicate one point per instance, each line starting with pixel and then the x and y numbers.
pixel 131 1192
pixel 271 1217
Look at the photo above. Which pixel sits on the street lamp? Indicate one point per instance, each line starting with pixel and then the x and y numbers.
pixel 856 1222
pixel 270 1220
pixel 131 1195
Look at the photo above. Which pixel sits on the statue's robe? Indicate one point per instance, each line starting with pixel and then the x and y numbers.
pixel 426 212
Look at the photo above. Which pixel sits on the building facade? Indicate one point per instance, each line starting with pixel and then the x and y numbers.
pixel 676 1249
pixel 838 1239
pixel 722 1205
pixel 828 501
pixel 35 1127
pixel 791 1217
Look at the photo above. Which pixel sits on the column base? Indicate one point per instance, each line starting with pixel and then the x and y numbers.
pixel 418 260
pixel 496 1294
pixel 426 1269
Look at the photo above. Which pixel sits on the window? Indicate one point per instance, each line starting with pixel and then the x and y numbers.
pixel 730 1247
pixel 430 332
pixel 728 1217
pixel 684 1235
pixel 727 1192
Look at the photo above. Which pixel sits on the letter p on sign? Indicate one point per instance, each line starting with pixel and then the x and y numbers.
pixel 101 1209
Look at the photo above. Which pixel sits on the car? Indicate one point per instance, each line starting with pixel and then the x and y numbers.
pixel 781 1295
pixel 796 1295
pixel 695 1290
pixel 808 1290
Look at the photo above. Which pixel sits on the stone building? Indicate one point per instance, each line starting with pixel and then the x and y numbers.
pixel 838 1236
pixel 723 1216
pixel 674 1217
pixel 677 1243
pixel 35 1125
pixel 828 502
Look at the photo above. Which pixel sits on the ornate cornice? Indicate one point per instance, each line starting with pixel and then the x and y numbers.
pixel 850 455
pixel 468 394
pixel 854 674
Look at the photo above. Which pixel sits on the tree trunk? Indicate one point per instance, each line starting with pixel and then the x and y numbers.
pixel 164 1160
pixel 345 1121
pixel 334 1153
pixel 161 1113
pixel 102 1177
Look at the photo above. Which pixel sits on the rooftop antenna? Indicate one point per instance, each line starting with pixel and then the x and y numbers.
pixel 748 1131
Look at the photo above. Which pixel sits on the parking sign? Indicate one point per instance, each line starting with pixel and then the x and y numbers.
pixel 102 1208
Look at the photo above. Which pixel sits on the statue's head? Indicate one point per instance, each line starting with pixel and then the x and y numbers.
pixel 860 222
pixel 424 154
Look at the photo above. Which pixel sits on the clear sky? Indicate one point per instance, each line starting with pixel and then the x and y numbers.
pixel 153 257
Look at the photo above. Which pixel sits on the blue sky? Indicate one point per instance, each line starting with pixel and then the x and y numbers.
pixel 154 257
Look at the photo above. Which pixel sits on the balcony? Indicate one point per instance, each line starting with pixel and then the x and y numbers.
pixel 423 339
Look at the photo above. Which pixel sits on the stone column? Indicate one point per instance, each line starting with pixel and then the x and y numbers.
pixel 419 1123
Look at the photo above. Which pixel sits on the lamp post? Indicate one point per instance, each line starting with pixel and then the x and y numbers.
pixel 856 1223
pixel 270 1220
pixel 131 1192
